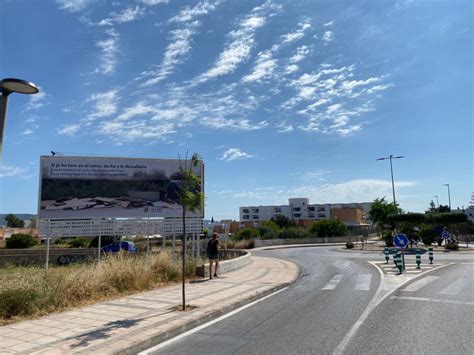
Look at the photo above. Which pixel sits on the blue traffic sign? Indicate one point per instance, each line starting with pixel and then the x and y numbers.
pixel 401 240
pixel 445 235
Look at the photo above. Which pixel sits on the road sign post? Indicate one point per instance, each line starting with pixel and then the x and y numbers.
pixel 401 241
pixel 445 236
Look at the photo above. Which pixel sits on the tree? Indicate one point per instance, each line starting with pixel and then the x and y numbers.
pixel 13 221
pixel 191 198
pixel 328 228
pixel 380 211
pixel 21 241
pixel 432 207
pixel 283 221
pixel 445 208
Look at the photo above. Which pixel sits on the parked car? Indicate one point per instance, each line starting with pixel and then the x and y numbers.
pixel 115 247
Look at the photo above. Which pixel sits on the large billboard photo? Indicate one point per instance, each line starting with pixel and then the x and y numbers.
pixel 95 187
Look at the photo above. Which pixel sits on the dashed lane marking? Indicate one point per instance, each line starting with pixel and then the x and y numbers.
pixel 363 282
pixel 455 287
pixel 417 285
pixel 332 284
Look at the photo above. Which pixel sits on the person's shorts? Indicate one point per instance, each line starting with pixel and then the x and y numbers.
pixel 214 256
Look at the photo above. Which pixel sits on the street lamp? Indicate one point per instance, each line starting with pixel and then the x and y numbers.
pixel 437 201
pixel 7 86
pixel 449 196
pixel 391 171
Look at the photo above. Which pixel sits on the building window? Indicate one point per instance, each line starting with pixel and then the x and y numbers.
pixel 322 209
pixel 277 210
pixel 296 209
pixel 245 216
pixel 245 210
pixel 297 215
pixel 311 215
pixel 254 216
pixel 312 209
pixel 254 210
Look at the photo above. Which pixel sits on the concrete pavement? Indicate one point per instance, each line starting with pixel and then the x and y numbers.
pixel 133 323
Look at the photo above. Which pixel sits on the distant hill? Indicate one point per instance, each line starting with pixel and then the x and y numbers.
pixel 22 216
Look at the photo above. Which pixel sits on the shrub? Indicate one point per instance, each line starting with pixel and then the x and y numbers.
pixel 79 243
pixel 246 233
pixel 21 241
pixel 328 228
pixel 268 230
pixel 242 244
pixel 387 237
pixel 452 246
pixel 17 301
pixel 427 234
pixel 349 245
pixel 294 233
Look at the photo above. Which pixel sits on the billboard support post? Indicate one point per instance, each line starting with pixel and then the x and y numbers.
pixel 46 266
pixel 199 247
pixel 164 242
pixel 99 247
pixel 174 247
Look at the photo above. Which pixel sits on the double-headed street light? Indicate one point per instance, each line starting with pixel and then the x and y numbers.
pixel 437 201
pixel 449 196
pixel 7 86
pixel 391 171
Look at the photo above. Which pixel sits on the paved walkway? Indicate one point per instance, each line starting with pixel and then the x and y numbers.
pixel 130 324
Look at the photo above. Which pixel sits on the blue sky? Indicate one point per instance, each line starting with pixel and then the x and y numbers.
pixel 280 98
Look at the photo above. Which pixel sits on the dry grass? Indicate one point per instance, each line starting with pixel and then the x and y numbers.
pixel 28 292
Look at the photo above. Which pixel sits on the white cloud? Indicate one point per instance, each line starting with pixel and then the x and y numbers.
pixel 319 175
pixel 12 171
pixel 128 14
pixel 301 53
pixel 104 104
pixel 328 36
pixel 291 68
pixel 37 101
pixel 330 23
pixel 234 154
pixel 175 53
pixel 27 132
pixel 69 130
pixel 109 52
pixel 242 40
pixel 298 34
pixel 341 192
pixel 242 124
pixel 190 13
pixel 285 128
pixel 264 67
pixel 154 2
pixel 73 5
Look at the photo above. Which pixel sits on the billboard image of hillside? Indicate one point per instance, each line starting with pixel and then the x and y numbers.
pixel 93 187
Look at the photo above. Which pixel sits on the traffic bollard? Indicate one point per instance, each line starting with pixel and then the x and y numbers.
pixel 430 253
pixel 418 258
pixel 399 262
pixel 387 255
pixel 395 260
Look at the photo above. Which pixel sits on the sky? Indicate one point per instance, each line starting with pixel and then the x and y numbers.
pixel 281 98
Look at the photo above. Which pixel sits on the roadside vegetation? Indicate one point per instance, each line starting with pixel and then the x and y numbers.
pixel 425 227
pixel 27 292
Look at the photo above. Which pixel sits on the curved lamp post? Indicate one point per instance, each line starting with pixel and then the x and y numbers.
pixel 7 86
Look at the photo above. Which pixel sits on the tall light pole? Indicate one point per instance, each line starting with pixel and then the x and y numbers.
pixel 391 171
pixel 7 86
pixel 449 196
pixel 437 201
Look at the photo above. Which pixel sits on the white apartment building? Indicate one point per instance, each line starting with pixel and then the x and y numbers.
pixel 297 209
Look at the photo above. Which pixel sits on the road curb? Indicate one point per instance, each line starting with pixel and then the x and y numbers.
pixel 173 332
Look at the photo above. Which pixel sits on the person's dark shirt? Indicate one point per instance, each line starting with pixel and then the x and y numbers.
pixel 213 246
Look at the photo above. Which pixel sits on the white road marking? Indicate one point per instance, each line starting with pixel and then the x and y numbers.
pixel 435 300
pixel 332 284
pixel 205 325
pixel 417 285
pixel 363 282
pixel 380 295
pixel 455 287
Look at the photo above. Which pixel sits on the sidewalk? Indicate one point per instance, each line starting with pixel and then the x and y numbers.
pixel 133 323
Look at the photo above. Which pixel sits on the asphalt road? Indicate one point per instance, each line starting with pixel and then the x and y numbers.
pixel 314 315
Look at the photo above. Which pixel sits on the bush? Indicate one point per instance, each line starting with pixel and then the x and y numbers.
pixel 243 244
pixel 328 228
pixel 387 237
pixel 21 241
pixel 452 246
pixel 246 233
pixel 293 233
pixel 17 301
pixel 79 243
pixel 427 235
pixel 349 245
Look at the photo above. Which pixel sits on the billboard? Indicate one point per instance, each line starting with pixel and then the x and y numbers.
pixel 99 187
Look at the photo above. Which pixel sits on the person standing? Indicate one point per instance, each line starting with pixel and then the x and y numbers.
pixel 213 254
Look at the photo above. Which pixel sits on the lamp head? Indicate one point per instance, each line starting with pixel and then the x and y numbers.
pixel 9 85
